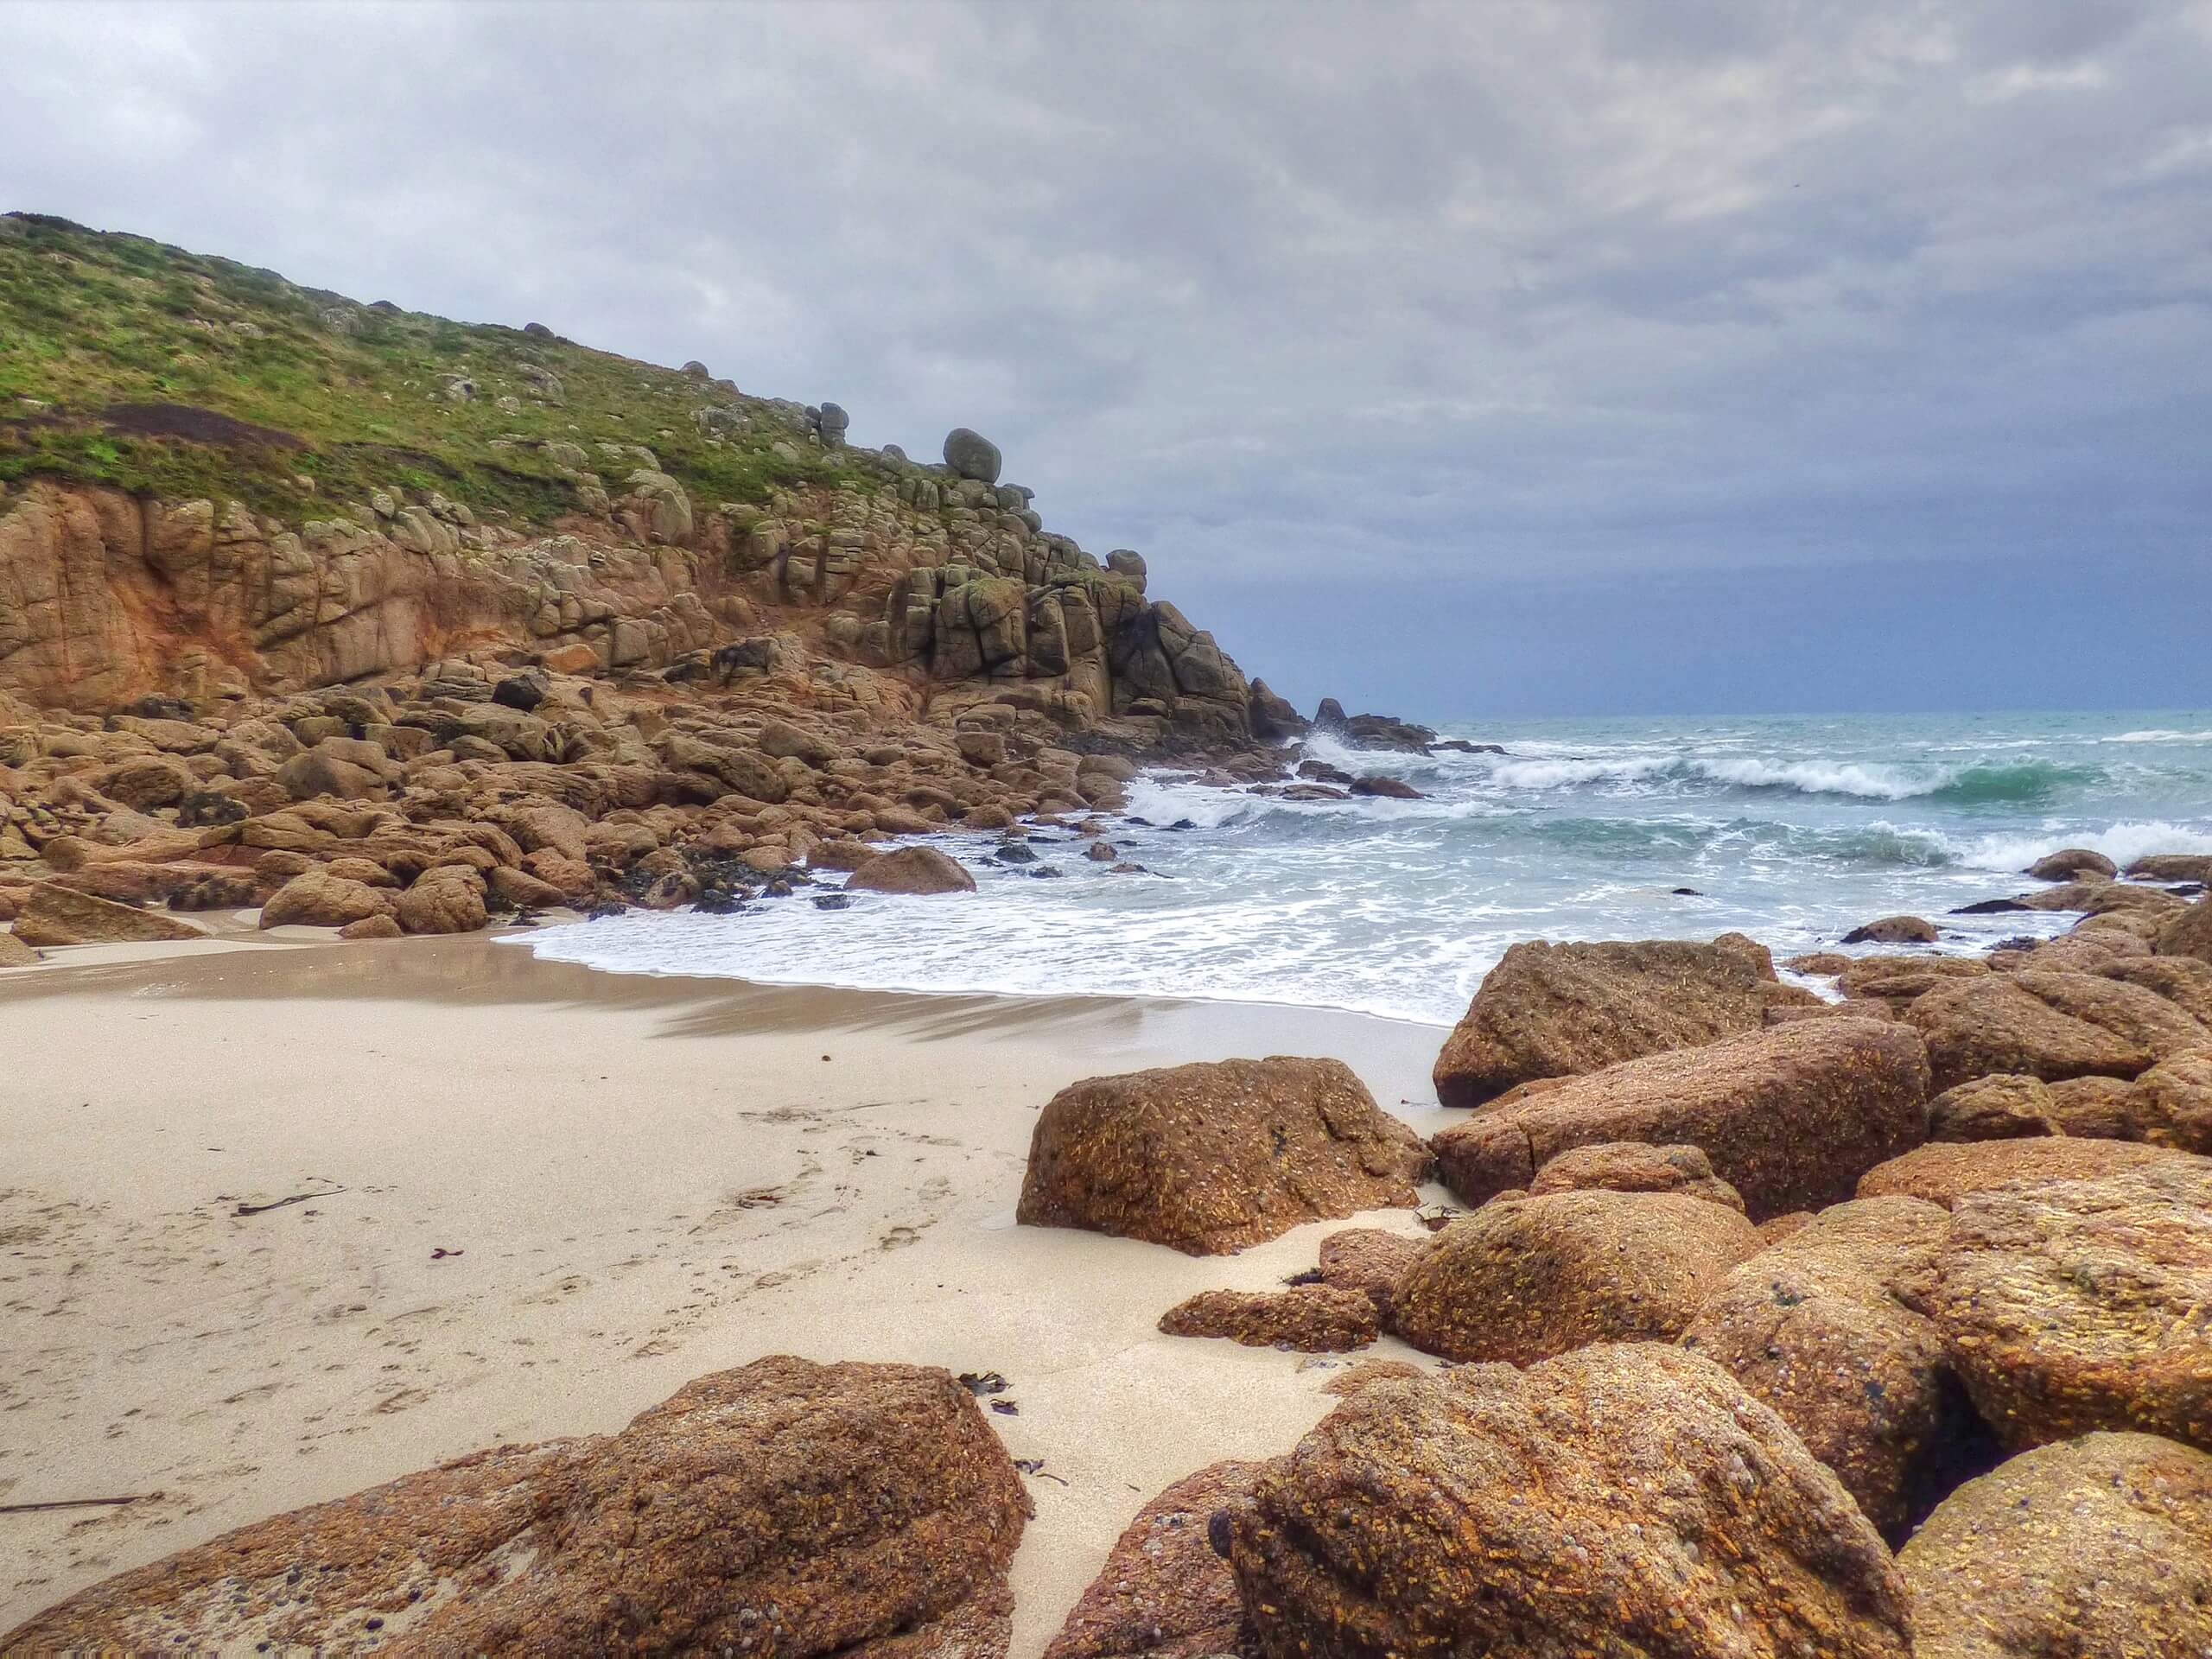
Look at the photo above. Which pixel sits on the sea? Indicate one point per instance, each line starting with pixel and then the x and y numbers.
pixel 1790 829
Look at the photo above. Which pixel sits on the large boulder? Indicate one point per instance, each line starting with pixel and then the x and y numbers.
pixel 2071 863
pixel 2084 1305
pixel 1630 1501
pixel 1211 1157
pixel 14 953
pixel 57 915
pixel 2003 1106
pixel 1523 1279
pixel 783 1507
pixel 317 898
pixel 1561 1010
pixel 447 898
pixel 1371 1261
pixel 1632 1167
pixel 2096 1546
pixel 1791 1117
pixel 911 870
pixel 1165 1592
pixel 1814 1327
pixel 1946 1171
pixel 2050 1026
pixel 970 454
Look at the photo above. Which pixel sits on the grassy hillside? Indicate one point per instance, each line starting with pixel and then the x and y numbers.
pixel 111 347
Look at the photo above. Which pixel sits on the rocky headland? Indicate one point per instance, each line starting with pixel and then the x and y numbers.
pixel 1861 1305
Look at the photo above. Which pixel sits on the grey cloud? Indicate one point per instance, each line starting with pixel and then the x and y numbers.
pixel 1382 295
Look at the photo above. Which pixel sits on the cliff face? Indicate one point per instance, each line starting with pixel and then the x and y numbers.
pixel 520 521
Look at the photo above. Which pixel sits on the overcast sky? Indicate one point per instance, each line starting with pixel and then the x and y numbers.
pixel 1504 356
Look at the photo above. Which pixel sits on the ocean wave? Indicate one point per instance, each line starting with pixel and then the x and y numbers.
pixel 2122 842
pixel 2158 734
pixel 2026 782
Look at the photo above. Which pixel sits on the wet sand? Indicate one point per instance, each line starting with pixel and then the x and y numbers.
pixel 633 1180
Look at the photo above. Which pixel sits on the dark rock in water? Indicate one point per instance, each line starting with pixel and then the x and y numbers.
pixel 1182 824
pixel 1210 1157
pixel 1048 872
pixel 1686 892
pixel 1322 773
pixel 1893 930
pixel 833 901
pixel 1273 718
pixel 1990 907
pixel 721 901
pixel 911 870
pixel 1460 745
pixel 1372 731
pixel 1014 852
pixel 2071 865
pixel 1387 788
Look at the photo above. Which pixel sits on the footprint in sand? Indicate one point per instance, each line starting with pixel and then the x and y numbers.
pixel 898 1239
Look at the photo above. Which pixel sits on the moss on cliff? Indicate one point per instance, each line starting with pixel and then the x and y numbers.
pixel 115 351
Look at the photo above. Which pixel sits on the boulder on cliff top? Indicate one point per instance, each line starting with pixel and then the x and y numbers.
pixel 783 1507
pixel 1165 1592
pixel 1623 1500
pixel 1814 1327
pixel 2084 1305
pixel 2092 1546
pixel 1309 1318
pixel 970 454
pixel 1789 1117
pixel 1523 1279
pixel 53 914
pixel 1561 1010
pixel 2050 1026
pixel 911 870
pixel 1209 1158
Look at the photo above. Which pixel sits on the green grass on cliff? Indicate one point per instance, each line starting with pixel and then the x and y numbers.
pixel 94 325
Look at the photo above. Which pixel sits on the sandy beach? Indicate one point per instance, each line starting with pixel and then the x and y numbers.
pixel 546 1198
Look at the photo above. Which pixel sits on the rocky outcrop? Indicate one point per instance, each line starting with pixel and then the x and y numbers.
pixel 1893 930
pixel 2097 1546
pixel 1561 1010
pixel 1945 1173
pixel 1308 1318
pixel 2050 1026
pixel 2084 1305
pixel 1165 1592
pixel 2072 864
pixel 1523 1279
pixel 2003 1106
pixel 1789 1117
pixel 1211 1157
pixel 1815 1327
pixel 2188 934
pixel 318 898
pixel 1619 1500
pixel 1631 1166
pixel 1370 1261
pixel 785 1507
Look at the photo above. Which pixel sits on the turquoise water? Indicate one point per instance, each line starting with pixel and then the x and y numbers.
pixel 1791 829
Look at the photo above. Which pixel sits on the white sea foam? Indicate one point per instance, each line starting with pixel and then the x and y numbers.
pixel 1867 783
pixel 2160 736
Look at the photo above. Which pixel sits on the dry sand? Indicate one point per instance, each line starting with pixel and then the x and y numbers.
pixel 636 1181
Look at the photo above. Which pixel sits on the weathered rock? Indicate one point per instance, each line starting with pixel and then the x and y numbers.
pixel 318 898
pixel 1559 1010
pixel 446 899
pixel 2003 1106
pixel 2084 1305
pixel 1382 785
pixel 1894 930
pixel 2173 867
pixel 1813 1326
pixel 1944 1173
pixel 2093 1546
pixel 372 927
pixel 2072 864
pixel 1626 1501
pixel 1165 1592
pixel 2050 1026
pixel 1633 1166
pixel 2188 934
pixel 1789 1117
pixel 1310 1319
pixel 911 870
pixel 1523 1279
pixel 14 953
pixel 2182 980
pixel 783 1507
pixel 1371 1261
pixel 53 914
pixel 1210 1157
pixel 970 454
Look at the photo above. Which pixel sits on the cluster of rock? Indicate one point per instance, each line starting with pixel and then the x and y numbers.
pixel 1780 1326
